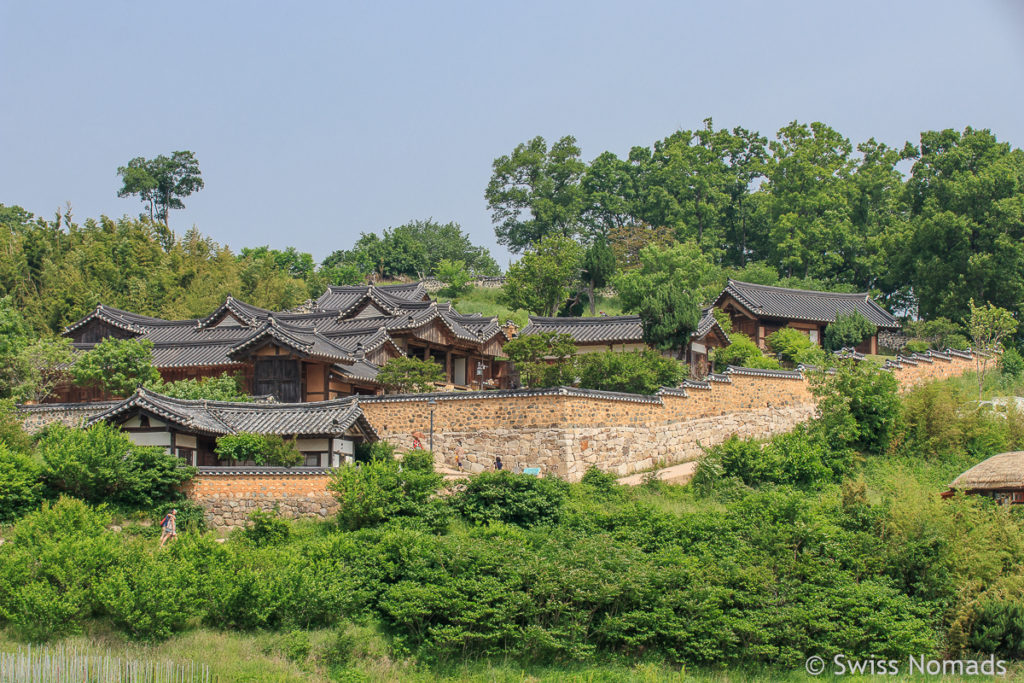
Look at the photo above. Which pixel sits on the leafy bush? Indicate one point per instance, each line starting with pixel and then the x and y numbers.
pixel 799 458
pixel 634 372
pixel 938 333
pixel 147 595
pixel 858 405
pixel 374 451
pixel 102 465
pixel 788 343
pixel 848 329
pixel 1011 364
pixel 223 388
pixel 543 360
pixel 917 346
pixel 262 449
pixel 50 566
pixel 12 432
pixel 518 499
pixel 743 352
pixel 410 375
pixel 117 366
pixel 605 482
pixel 266 528
pixel 21 488
pixel 372 493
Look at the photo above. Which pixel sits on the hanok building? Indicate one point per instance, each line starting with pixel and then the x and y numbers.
pixel 325 432
pixel 1001 478
pixel 332 347
pixel 625 333
pixel 759 310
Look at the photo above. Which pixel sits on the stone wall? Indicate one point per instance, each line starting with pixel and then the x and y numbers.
pixel 565 431
pixel 229 497
pixel 35 417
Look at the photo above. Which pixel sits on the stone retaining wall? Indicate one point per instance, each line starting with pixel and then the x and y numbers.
pixel 564 431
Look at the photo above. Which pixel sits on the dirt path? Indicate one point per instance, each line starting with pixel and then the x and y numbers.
pixel 676 474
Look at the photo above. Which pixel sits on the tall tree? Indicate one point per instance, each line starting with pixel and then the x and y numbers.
pixel 683 265
pixel 966 234
pixel 598 268
pixel 668 317
pixel 161 182
pixel 535 192
pixel 809 209
pixel 545 277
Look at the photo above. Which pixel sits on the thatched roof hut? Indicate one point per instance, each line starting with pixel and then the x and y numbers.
pixel 1000 477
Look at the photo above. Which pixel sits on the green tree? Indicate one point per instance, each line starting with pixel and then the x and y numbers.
pixel 545 277
pixel 598 269
pixel 858 406
pixel 682 267
pixel 40 367
pixel 543 360
pixel 261 449
pixel 965 237
pixel 848 329
pixel 455 277
pixel 668 316
pixel 21 487
pixel 14 337
pixel 788 343
pixel 382 490
pixel 536 192
pixel 988 326
pixel 102 465
pixel 634 372
pixel 161 182
pixel 742 352
pixel 405 375
pixel 224 387
pixel 117 366
pixel 809 204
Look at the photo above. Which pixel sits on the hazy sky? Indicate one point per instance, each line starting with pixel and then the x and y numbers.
pixel 314 121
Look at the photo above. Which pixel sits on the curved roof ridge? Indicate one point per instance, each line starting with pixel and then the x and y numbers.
pixel 775 288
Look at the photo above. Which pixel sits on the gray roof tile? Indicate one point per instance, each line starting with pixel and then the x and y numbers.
pixel 803 304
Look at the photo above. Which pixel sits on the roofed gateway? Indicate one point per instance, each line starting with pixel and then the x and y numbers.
pixel 333 347
pixel 759 310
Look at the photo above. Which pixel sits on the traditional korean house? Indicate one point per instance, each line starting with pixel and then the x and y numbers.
pixel 332 347
pixel 1001 478
pixel 625 333
pixel 759 310
pixel 325 432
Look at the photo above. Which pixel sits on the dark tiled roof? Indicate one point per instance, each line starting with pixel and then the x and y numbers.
pixel 597 330
pixel 321 333
pixel 803 304
pixel 222 417
pixel 762 372
pixel 344 298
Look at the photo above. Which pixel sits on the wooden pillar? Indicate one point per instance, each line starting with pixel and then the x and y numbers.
pixel 449 371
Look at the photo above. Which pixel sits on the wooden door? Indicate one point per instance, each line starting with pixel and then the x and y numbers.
pixel 279 377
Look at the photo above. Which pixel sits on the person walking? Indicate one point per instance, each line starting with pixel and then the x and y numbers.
pixel 169 526
pixel 497 463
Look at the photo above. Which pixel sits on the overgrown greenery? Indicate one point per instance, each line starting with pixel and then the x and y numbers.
pixel 846 534
pixel 634 372
pixel 848 330
pixel 404 375
pixel 259 449
pixel 743 352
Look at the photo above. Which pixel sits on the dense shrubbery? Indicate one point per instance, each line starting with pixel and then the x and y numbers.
pixel 742 351
pixel 847 330
pixel 785 549
pixel 261 449
pixel 635 372
pixel 102 465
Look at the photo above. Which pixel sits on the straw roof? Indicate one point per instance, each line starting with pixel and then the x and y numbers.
pixel 1002 471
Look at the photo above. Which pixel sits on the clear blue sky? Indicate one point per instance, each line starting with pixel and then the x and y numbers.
pixel 314 121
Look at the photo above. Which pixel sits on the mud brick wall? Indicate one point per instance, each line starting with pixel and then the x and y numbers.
pixel 229 498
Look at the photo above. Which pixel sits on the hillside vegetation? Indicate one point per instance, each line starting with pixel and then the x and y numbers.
pixel 830 539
